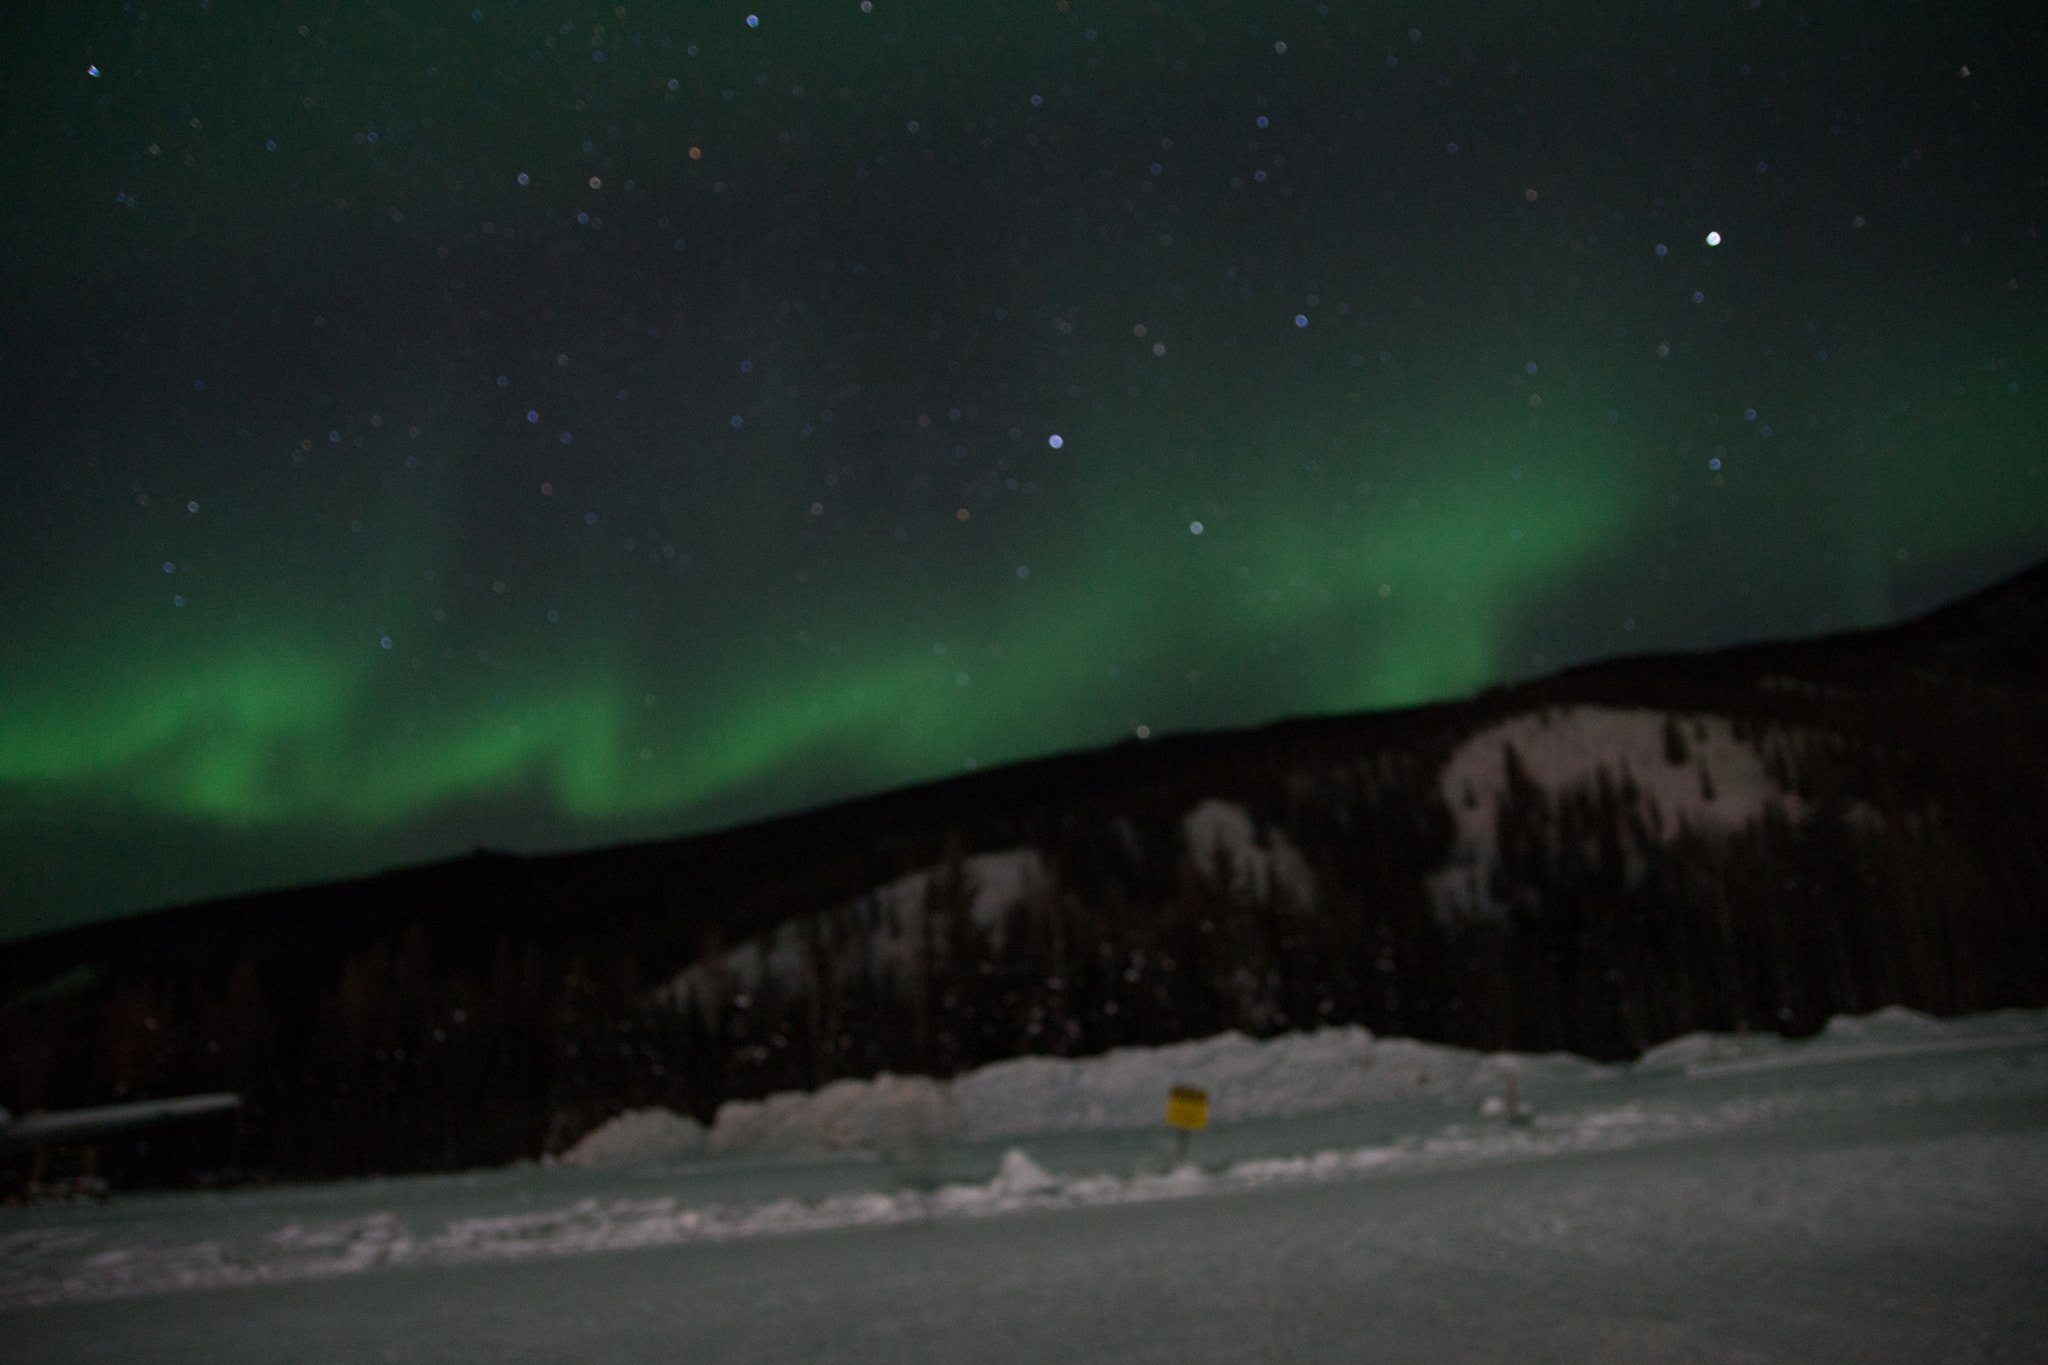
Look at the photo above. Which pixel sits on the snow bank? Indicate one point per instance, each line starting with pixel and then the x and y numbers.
pixel 1892 1024
pixel 889 1114
pixel 1893 1031
pixel 638 1137
pixel 1246 1078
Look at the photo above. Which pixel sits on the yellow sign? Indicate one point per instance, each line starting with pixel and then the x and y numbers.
pixel 1187 1107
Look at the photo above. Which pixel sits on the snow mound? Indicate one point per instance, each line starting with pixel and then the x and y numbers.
pixel 888 1114
pixel 1892 1024
pixel 1686 1050
pixel 1246 1078
pixel 638 1137
pixel 1020 1175
pixel 1891 1032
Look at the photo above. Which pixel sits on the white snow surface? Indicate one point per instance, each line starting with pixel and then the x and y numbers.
pixel 1247 1078
pixel 887 1114
pixel 1884 1184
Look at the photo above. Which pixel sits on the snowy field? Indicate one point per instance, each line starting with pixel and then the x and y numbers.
pixel 1877 1193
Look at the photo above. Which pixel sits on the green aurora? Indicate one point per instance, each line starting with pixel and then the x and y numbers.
pixel 296 588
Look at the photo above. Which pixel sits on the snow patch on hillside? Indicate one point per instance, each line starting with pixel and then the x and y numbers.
pixel 1688 772
pixel 879 934
pixel 1719 785
pixel 1225 844
pixel 1001 881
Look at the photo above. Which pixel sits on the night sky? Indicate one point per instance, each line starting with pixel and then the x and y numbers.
pixel 548 424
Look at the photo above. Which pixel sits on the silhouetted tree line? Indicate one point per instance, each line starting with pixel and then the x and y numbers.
pixel 1918 875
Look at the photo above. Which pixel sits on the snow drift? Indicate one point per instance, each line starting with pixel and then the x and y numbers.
pixel 638 1137
pixel 1246 1078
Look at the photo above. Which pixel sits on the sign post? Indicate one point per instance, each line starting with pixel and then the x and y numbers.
pixel 1186 1110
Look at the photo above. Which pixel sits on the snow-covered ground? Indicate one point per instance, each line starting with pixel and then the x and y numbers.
pixel 1247 1078
pixel 1879 1192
